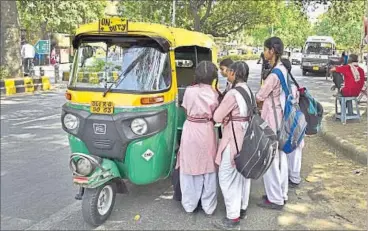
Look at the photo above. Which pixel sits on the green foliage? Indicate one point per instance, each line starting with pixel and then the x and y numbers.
pixel 240 57
pixel 58 15
pixel 289 23
pixel 4 73
pixel 343 21
pixel 219 18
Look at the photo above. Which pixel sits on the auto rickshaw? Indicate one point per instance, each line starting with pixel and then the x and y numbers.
pixel 123 114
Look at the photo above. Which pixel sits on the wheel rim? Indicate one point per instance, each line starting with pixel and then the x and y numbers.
pixel 104 201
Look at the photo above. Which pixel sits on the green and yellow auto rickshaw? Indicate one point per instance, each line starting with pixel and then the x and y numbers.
pixel 123 114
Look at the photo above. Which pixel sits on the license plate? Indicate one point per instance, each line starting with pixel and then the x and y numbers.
pixel 102 107
pixel 315 68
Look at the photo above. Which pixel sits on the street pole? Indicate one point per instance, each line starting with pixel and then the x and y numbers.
pixel 173 14
pixel 363 31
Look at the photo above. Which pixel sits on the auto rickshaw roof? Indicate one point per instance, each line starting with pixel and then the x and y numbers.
pixel 177 37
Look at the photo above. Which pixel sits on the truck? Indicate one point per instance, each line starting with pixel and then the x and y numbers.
pixel 317 52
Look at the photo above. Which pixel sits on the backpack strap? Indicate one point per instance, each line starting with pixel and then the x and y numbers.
pixel 250 101
pixel 281 77
pixel 250 105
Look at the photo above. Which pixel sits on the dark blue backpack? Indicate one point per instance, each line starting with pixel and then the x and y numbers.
pixel 311 108
pixel 293 124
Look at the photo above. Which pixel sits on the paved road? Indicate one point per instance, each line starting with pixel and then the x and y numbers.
pixel 36 187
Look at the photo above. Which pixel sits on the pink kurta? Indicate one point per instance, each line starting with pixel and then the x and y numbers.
pixel 198 142
pixel 271 88
pixel 227 106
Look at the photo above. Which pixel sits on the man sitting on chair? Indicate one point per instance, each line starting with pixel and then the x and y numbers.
pixel 348 79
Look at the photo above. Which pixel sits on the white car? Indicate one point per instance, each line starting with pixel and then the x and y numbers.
pixel 296 58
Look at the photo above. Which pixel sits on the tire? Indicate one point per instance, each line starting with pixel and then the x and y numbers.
pixel 304 72
pixel 91 214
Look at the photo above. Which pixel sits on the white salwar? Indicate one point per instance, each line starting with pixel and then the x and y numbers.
pixel 199 187
pixel 276 179
pixel 235 188
pixel 295 164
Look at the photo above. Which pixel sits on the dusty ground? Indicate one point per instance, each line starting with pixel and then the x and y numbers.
pixel 333 195
pixel 353 131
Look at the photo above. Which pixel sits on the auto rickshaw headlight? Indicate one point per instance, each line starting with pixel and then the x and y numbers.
pixel 71 122
pixel 84 166
pixel 139 126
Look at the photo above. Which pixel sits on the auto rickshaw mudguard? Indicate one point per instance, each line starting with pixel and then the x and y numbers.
pixel 108 171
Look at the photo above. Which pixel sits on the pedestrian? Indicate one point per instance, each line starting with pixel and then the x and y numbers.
pixel 196 157
pixel 235 188
pixel 276 177
pixel 349 80
pixel 294 158
pixel 224 66
pixel 27 53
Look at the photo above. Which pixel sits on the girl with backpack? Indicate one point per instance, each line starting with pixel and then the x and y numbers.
pixel 196 157
pixel 294 158
pixel 233 114
pixel 276 177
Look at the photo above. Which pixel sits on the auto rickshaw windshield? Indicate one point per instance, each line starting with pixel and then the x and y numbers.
pixel 127 65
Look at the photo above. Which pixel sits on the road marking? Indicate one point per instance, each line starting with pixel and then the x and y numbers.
pixel 167 195
pixel 57 217
pixel 110 224
pixel 38 119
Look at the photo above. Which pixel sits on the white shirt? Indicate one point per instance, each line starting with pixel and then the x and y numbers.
pixel 28 51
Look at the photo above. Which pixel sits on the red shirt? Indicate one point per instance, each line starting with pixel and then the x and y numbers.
pixel 351 88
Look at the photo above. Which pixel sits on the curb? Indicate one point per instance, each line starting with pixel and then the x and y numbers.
pixel 24 85
pixel 348 149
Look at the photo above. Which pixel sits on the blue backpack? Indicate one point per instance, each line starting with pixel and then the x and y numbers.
pixel 293 124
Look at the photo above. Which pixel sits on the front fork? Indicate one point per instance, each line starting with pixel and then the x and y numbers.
pixel 80 194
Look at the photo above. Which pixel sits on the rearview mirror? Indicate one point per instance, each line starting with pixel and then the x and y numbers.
pixel 87 52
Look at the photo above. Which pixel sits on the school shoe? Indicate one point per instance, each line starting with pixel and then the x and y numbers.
pixel 228 224
pixel 243 214
pixel 269 205
pixel 292 184
pixel 264 197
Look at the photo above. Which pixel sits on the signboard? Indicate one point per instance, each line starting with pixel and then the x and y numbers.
pixel 113 25
pixel 42 47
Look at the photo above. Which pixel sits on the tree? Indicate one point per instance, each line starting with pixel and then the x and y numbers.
pixel 10 40
pixel 288 22
pixel 219 18
pixel 58 15
pixel 343 21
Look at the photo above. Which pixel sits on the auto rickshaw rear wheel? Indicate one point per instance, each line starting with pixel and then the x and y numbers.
pixel 97 203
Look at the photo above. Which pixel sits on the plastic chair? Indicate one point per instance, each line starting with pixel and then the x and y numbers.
pixel 343 115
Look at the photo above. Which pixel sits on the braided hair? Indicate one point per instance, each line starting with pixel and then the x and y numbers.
pixel 241 70
pixel 277 45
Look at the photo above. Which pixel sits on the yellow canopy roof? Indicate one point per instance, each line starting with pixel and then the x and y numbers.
pixel 177 37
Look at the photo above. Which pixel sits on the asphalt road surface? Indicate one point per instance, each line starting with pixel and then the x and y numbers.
pixel 36 185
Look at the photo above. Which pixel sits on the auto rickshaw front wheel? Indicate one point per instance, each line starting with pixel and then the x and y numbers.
pixel 97 203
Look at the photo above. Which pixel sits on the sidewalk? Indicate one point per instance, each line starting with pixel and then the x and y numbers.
pixel 350 138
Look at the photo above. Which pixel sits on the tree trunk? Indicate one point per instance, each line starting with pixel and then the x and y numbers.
pixel 194 9
pixel 197 21
pixel 10 57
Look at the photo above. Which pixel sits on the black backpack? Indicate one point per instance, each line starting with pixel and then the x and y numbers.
pixel 311 108
pixel 260 142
